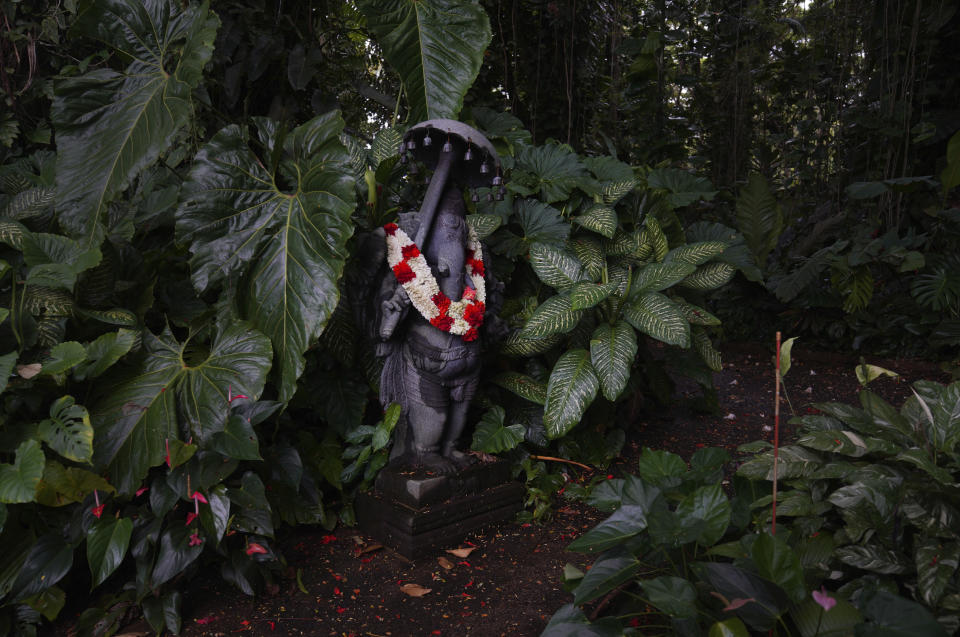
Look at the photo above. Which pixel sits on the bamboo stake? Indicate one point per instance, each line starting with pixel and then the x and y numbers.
pixel 776 438
pixel 552 459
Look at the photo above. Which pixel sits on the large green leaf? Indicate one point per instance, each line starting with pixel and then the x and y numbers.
pixel 776 561
pixel 625 522
pixel 135 417
pixel 599 218
pixel 285 228
pixel 553 316
pixel 556 170
pixel 110 125
pixel 435 45
pixel 684 187
pixel 759 218
pixel 175 554
pixel 612 350
pixel 46 564
pixel 605 575
pixel 107 542
pixel 555 267
pixel 104 352
pixel 936 563
pixel 68 430
pixel 674 596
pixel 492 436
pixel 710 505
pixel 654 277
pixel 586 294
pixel 523 386
pixel 55 260
pixel 656 315
pixel 890 615
pixel 572 387
pixel 18 481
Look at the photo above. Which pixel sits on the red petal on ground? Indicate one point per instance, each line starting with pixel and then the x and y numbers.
pixel 253 547
pixel 205 620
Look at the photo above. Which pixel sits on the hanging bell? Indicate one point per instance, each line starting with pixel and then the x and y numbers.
pixel 484 168
pixel 467 156
pixel 489 196
pixel 476 197
pixel 411 145
pixel 447 146
pixel 498 180
pixel 500 191
pixel 426 140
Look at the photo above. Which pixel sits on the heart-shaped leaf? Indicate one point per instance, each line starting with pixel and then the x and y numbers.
pixel 281 217
pixel 18 481
pixel 139 413
pixel 107 542
pixel 435 45
pixel 110 125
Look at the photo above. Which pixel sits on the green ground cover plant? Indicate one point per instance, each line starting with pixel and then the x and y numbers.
pixel 863 542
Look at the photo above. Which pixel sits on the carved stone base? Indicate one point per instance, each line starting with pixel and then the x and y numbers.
pixel 416 513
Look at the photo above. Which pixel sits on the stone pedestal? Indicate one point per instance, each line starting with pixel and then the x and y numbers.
pixel 417 513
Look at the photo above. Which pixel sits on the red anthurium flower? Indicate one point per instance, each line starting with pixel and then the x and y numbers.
pixel 141 491
pixel 199 497
pixel 253 547
pixel 97 510
pixel 167 457
pixel 822 598
pixel 195 539
pixel 190 518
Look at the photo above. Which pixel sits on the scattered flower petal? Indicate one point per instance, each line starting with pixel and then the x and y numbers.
pixel 253 547
pixel 464 552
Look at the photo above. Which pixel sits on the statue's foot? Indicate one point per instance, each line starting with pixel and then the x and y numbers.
pixel 461 459
pixel 435 462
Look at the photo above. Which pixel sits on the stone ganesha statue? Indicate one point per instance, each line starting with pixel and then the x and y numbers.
pixel 436 301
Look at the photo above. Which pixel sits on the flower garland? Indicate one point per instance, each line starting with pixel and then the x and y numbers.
pixel 461 317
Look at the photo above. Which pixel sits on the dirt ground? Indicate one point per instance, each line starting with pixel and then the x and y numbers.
pixel 507 580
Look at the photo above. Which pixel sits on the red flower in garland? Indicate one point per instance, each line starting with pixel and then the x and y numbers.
pixel 477 266
pixel 442 322
pixel 441 301
pixel 471 335
pixel 473 314
pixel 391 228
pixel 410 251
pixel 404 273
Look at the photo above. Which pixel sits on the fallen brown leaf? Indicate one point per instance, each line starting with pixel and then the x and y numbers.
pixel 445 563
pixel 415 590
pixel 464 552
pixel 370 548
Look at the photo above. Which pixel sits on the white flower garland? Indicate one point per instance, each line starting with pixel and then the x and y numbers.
pixel 462 317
